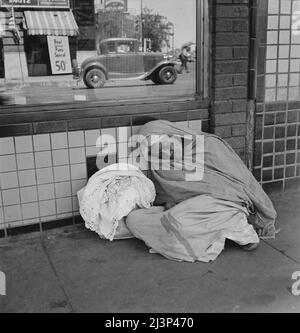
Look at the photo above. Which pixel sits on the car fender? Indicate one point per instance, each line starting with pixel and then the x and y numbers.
pixel 91 65
pixel 148 75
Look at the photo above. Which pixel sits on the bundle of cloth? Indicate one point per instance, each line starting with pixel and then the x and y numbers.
pixel 205 195
pixel 110 195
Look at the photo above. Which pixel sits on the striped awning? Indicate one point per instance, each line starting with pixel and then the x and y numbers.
pixel 55 23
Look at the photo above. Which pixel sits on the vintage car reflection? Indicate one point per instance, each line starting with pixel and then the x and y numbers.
pixel 120 58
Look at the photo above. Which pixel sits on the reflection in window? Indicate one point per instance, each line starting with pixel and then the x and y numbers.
pixel 103 43
pixel 283 51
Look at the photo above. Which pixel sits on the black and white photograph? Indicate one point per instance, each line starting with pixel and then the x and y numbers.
pixel 149 159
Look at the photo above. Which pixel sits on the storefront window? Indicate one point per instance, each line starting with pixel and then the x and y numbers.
pixel 283 51
pixel 77 51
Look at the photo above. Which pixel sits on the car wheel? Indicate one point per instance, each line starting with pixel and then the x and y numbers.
pixel 167 75
pixel 94 78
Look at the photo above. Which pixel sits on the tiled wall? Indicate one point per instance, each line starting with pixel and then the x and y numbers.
pixel 277 146
pixel 41 174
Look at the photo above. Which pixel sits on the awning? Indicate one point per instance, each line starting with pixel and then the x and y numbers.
pixel 55 23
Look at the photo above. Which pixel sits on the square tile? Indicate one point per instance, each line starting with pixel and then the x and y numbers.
pixel 27 178
pixel 78 171
pixel 11 197
pixel 7 146
pixel 195 125
pixel 12 213
pixel 46 192
pixel 60 157
pixel 110 132
pixel 123 134
pixel 41 142
pixel 47 208
pixel 9 180
pixel 8 163
pixel 77 185
pixel 76 139
pixel 92 151
pixel 135 130
pixel 1 219
pixel 25 161
pixel 63 190
pixel 64 205
pixel 91 137
pixel 44 176
pixel 23 144
pixel 77 155
pixel 28 194
pixel 30 211
pixel 48 218
pixel 59 140
pixel 61 173
pixel 75 204
pixel 43 159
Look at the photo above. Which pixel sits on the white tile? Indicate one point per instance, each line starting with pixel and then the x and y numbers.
pixel 27 178
pixel 12 213
pixel 24 144
pixel 1 219
pixel 44 176
pixel 92 151
pixel 196 125
pixel 77 185
pixel 64 205
pixel 60 157
pixel 25 161
pixel 63 190
pixel 28 194
pixel 64 216
pixel 11 197
pixel 30 211
pixel 46 192
pixel 41 142
pixel 76 139
pixel 8 163
pixel 59 140
pixel 135 130
pixel 61 173
pixel 91 137
pixel 123 134
pixel 47 208
pixel 7 146
pixel 109 131
pixel 77 155
pixel 78 171
pixel 48 218
pixel 43 159
pixel 9 180
pixel 75 204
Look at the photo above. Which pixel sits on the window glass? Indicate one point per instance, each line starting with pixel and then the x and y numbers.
pixel 283 51
pixel 64 51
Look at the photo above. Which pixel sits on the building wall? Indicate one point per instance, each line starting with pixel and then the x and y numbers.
pixel 41 173
pixel 230 64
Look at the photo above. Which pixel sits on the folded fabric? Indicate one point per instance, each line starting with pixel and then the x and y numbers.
pixel 110 195
pixel 210 166
pixel 194 230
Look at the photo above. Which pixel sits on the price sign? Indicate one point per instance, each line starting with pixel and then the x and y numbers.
pixel 59 52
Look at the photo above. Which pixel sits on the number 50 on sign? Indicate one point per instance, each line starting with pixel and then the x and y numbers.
pixel 59 52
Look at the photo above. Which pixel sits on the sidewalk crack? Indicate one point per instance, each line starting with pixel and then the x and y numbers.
pixel 57 277
pixel 282 252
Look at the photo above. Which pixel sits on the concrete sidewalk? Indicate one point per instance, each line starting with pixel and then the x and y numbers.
pixel 72 270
